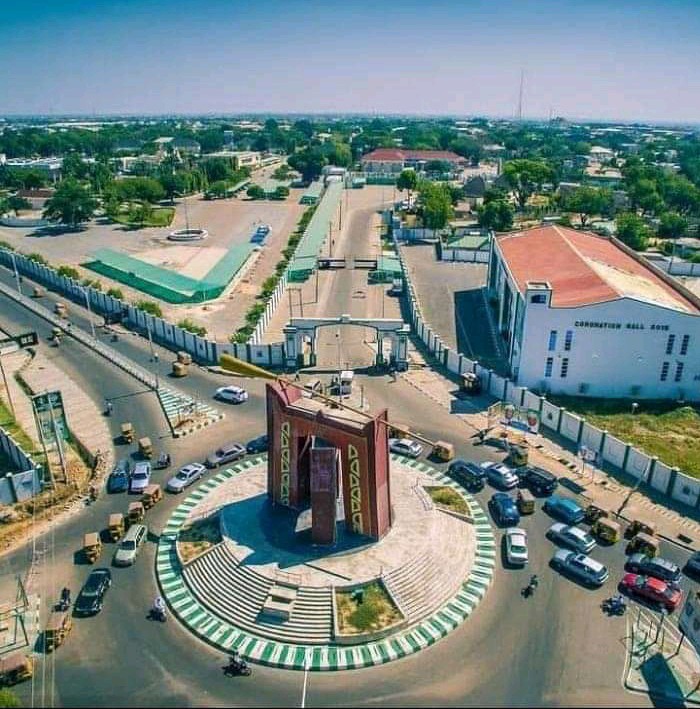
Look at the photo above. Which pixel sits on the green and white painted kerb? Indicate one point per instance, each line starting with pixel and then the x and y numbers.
pixel 219 633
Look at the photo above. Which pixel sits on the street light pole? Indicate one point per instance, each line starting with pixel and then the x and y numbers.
pixel 7 388
pixel 14 268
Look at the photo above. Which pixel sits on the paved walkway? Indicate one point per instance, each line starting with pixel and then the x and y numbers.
pixel 600 488
pixel 221 634
pixel 660 662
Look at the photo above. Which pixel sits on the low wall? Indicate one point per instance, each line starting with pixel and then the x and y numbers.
pixel 203 350
pixel 23 484
pixel 467 255
pixel 609 449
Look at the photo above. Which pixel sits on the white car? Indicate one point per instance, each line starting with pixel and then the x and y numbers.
pixel 573 537
pixel 140 477
pixel 516 546
pixel 500 475
pixel 233 394
pixel 405 446
pixel 185 477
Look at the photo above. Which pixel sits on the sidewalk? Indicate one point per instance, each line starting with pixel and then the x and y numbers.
pixel 600 488
pixel 658 663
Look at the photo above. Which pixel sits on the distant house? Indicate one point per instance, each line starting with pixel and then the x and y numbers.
pixel 186 145
pixel 602 176
pixel 600 154
pixel 474 191
pixel 38 197
pixel 392 160
pixel 49 167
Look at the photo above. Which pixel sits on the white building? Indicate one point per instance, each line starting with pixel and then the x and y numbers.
pixel 583 314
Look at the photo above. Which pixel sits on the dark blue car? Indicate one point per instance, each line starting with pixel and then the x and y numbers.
pixel 504 510
pixel 564 508
pixel 118 480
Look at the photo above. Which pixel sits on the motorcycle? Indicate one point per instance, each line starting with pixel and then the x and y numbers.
pixel 530 588
pixel 157 612
pixel 237 667
pixel 64 602
pixel 614 606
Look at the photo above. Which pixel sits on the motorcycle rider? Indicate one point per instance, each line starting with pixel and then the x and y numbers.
pixel 159 607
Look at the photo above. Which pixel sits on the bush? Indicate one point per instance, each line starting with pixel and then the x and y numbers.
pixel 9 699
pixel 116 293
pixel 192 327
pixel 253 315
pixel 5 245
pixel 148 306
pixel 91 283
pixel 38 258
pixel 68 272
pixel 268 286
pixel 255 192
pixel 242 335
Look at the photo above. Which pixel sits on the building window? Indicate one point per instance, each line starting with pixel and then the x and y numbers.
pixel 538 298
pixel 679 371
pixel 564 367
pixel 568 339
pixel 669 344
pixel 664 371
pixel 548 367
pixel 684 344
pixel 552 340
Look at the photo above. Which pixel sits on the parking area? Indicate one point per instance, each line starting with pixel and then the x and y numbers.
pixel 452 301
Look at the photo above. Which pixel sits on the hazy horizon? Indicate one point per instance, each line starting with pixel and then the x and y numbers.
pixel 625 62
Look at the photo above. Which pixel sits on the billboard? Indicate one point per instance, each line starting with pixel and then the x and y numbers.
pixel 520 418
pixel 689 620
pixel 50 418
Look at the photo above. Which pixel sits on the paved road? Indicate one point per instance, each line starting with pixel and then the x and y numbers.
pixel 556 648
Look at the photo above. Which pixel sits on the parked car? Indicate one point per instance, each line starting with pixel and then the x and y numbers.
pixel 141 477
pixel 655 591
pixel 91 597
pixel 258 445
pixel 654 566
pixel 564 508
pixel 539 480
pixel 516 546
pixel 118 480
pixel 504 510
pixel 470 475
pixel 185 477
pixel 692 566
pixel 582 567
pixel 129 547
pixel 405 446
pixel 231 394
pixel 573 537
pixel 500 475
pixel 226 454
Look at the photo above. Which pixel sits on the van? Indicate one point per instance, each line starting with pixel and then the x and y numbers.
pixel 540 481
pixel 130 546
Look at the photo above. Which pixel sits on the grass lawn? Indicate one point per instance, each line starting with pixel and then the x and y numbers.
pixel 445 496
pixel 8 422
pixel 160 216
pixel 660 428
pixel 376 611
pixel 195 539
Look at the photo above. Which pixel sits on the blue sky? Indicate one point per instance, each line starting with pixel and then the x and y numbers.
pixel 590 58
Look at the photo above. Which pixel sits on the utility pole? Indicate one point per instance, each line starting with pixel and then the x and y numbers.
pixel 17 278
pixel 89 309
pixel 301 303
pixel 330 239
pixel 289 292
pixel 316 298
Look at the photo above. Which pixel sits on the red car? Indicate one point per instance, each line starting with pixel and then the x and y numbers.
pixel 653 590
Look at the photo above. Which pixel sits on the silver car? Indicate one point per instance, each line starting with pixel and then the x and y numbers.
pixel 141 477
pixel 129 547
pixel 516 546
pixel 581 567
pixel 405 446
pixel 185 477
pixel 573 537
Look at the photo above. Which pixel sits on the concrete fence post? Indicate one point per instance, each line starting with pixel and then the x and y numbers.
pixel 628 447
pixel 562 411
pixel 579 436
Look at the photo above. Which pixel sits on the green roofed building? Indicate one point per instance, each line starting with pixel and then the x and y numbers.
pixel 167 285
pixel 306 254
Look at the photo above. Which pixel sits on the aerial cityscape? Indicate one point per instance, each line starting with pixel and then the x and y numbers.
pixel 349 354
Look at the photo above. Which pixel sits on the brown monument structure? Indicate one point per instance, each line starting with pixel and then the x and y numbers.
pixel 319 455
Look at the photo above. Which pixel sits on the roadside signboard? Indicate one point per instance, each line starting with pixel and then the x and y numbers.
pixel 16 342
pixel 518 417
pixel 50 417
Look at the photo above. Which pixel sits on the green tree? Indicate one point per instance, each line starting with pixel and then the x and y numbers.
pixel 189 325
pixel 643 194
pixel 217 169
pixel 16 203
pixel 255 192
pixel 672 226
pixel 217 190
pixel 173 183
pixel 587 201
pixel 681 195
pixel 437 167
pixel 140 213
pixel 32 180
pixel 467 148
pixel 309 162
pixel 407 180
pixel 496 215
pixel 525 177
pixel 71 204
pixel 632 230
pixel 436 205
pixel 281 192
pixel 8 698
pixel 74 167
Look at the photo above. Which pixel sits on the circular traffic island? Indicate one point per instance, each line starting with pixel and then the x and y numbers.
pixel 243 574
pixel 188 235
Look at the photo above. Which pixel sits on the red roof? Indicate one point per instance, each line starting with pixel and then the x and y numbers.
pixel 584 269
pixel 401 155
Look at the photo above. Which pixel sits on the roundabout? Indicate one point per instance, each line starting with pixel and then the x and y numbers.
pixel 257 584
pixel 190 234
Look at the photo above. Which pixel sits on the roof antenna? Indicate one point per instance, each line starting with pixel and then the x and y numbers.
pixel 520 98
